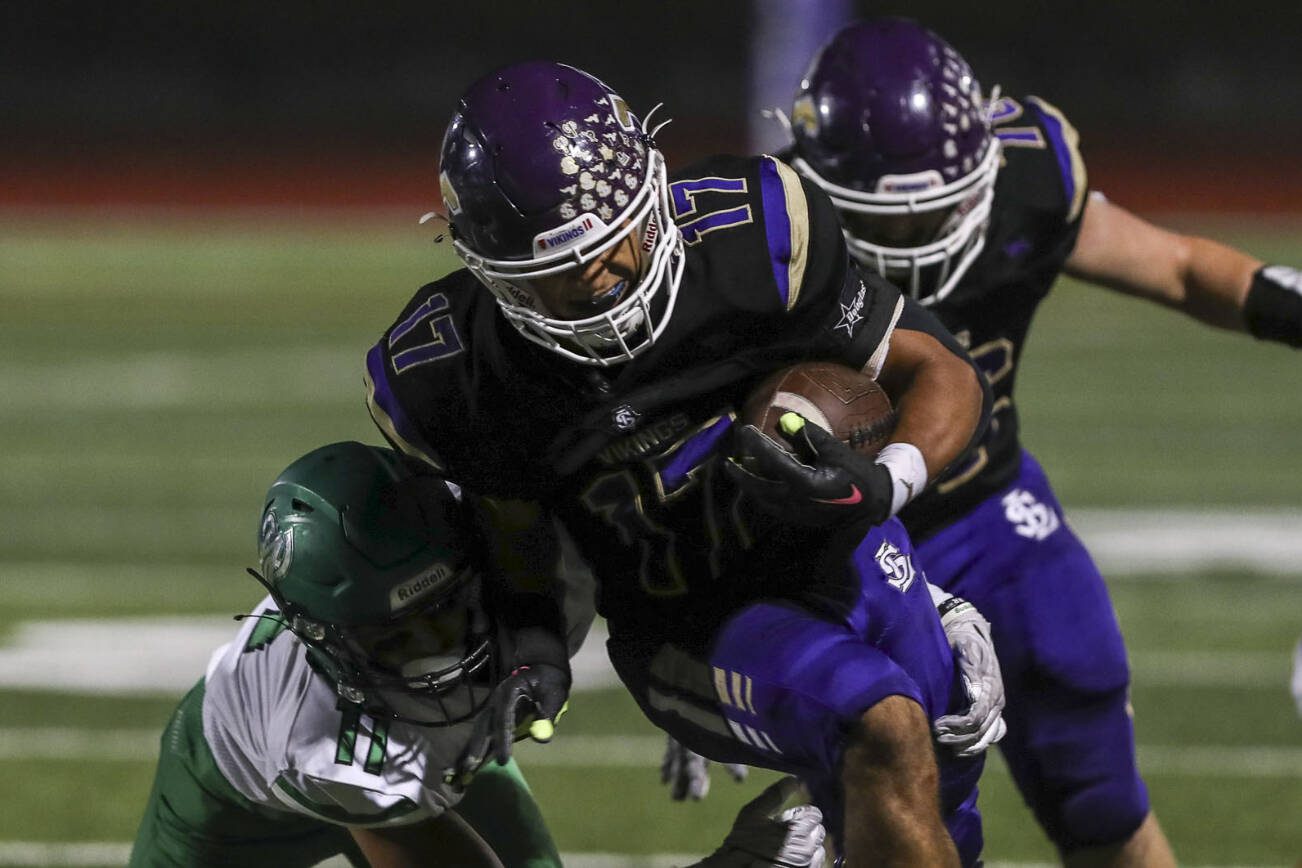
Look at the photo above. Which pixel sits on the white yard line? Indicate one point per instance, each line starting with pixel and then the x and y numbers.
pixel 68 744
pixel 64 853
pixel 1129 542
pixel 164 656
pixel 1124 543
pixel 229 380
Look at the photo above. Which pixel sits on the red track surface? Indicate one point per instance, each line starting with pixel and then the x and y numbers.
pixel 1149 184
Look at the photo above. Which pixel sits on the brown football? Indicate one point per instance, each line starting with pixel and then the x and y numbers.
pixel 842 400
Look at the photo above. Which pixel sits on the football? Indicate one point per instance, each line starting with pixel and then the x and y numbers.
pixel 837 398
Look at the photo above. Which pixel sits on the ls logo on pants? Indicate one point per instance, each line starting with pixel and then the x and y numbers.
pixel 1028 516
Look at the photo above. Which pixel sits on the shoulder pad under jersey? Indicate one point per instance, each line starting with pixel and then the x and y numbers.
pixel 1041 155
pixel 767 236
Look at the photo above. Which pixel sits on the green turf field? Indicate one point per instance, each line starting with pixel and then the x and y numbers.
pixel 158 373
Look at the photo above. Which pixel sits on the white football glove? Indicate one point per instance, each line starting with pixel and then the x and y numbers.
pixel 968 633
pixel 765 836
pixel 688 773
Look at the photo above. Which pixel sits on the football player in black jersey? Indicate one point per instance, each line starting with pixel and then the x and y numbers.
pixel 582 372
pixel 974 207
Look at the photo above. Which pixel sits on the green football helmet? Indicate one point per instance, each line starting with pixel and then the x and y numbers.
pixel 374 564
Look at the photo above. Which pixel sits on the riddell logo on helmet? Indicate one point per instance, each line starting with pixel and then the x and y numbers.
pixel 652 233
pixel 406 594
pixel 567 233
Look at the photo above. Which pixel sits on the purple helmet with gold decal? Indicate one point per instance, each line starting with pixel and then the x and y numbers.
pixel 543 169
pixel 890 121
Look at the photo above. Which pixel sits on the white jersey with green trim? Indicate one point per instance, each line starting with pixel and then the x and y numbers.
pixel 283 739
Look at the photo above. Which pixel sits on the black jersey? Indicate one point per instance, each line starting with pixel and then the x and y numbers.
pixel 628 457
pixel 1039 197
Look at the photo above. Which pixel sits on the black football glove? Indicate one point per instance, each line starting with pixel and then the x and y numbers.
pixel 542 689
pixel 829 485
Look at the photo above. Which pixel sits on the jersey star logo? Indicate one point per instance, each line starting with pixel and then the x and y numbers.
pixel 852 313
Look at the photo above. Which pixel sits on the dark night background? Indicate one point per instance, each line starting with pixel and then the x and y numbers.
pixel 1194 106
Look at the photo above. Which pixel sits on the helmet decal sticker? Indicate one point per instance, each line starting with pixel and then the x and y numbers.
pixel 450 197
pixel 804 115
pixel 275 547
pixel 267 532
pixel 619 110
pixel 568 234
pixel 604 164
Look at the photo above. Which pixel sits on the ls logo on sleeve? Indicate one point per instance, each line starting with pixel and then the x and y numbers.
pixel 896 565
pixel 1028 516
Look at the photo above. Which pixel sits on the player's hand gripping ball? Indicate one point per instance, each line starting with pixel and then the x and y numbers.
pixel 805 444
pixel 836 398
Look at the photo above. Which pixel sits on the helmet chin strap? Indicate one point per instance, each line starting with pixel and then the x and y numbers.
pixel 600 341
pixel 433 663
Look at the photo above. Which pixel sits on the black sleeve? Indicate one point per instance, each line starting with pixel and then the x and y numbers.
pixel 521 585
pixel 848 312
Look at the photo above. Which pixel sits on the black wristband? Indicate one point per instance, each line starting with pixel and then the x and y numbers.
pixel 1272 310
pixel 950 604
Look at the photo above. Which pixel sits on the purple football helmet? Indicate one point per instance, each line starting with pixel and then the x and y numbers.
pixel 890 122
pixel 544 169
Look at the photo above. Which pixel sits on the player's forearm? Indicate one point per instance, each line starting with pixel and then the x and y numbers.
pixel 1199 277
pixel 901 840
pixel 938 398
pixel 1214 283
pixel 524 588
pixel 898 838
pixel 1228 288
pixel 892 791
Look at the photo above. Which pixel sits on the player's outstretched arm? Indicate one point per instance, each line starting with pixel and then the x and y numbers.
pixel 443 840
pixel 1205 279
pixel 892 790
pixel 530 699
